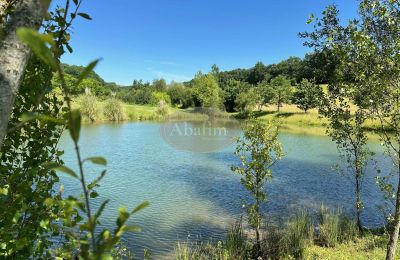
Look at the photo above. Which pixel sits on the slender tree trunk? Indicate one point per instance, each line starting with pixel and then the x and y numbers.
pixel 394 235
pixel 14 55
pixel 358 198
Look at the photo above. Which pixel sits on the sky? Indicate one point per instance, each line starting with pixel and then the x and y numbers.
pixel 174 39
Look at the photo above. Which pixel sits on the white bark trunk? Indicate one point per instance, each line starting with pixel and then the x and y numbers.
pixel 14 56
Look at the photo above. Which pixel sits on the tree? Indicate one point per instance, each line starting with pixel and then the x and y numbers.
pixel 14 55
pixel 368 53
pixel 265 91
pixel 259 149
pixel 156 97
pixel 159 85
pixel 257 73
pixel 246 102
pixel 180 95
pixel 307 95
pixel 347 131
pixel 206 91
pixel 232 90
pixel 281 90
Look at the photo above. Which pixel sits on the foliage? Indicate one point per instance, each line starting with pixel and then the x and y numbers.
pixel 232 89
pixel 113 110
pixel 281 90
pixel 26 226
pixel 258 150
pixel 89 106
pixel 206 91
pixel 180 95
pixel 157 97
pixel 159 85
pixel 162 108
pixel 307 95
pixel 92 243
pixel 264 90
pixel 247 101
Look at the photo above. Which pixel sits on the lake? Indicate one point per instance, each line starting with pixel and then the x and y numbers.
pixel 195 196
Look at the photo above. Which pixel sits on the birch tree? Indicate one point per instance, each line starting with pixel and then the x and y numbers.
pixel 13 54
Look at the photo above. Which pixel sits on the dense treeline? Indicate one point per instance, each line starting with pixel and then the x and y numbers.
pixel 240 90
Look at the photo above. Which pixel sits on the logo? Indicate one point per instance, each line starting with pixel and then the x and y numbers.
pixel 200 130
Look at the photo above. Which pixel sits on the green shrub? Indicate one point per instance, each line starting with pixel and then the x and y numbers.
pixel 162 108
pixel 89 106
pixel 113 110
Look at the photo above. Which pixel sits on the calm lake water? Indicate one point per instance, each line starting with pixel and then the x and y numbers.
pixel 195 196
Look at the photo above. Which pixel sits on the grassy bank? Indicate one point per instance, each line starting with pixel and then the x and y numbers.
pixel 330 235
pixel 292 119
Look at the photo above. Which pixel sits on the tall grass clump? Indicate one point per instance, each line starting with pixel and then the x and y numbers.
pixel 162 108
pixel 335 227
pixel 235 246
pixel 113 110
pixel 89 107
pixel 298 235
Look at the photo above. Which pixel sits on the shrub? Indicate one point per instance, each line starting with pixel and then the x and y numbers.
pixel 157 97
pixel 89 107
pixel 113 110
pixel 162 108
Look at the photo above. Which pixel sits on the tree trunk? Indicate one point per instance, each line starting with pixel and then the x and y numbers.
pixel 358 198
pixel 394 235
pixel 14 55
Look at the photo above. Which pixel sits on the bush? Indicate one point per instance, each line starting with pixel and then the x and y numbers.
pixel 113 110
pixel 162 108
pixel 157 97
pixel 89 107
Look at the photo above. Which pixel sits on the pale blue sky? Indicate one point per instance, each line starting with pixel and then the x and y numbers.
pixel 173 39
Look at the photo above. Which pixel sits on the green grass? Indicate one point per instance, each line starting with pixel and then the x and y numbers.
pixel 367 247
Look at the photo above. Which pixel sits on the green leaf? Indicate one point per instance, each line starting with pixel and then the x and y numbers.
pixel 123 216
pixel 28 117
pixel 59 168
pixel 101 209
pixel 94 194
pixel 66 170
pixel 75 124
pixel 37 42
pixel 140 207
pixel 75 2
pixel 97 160
pixel 97 180
pixel 89 68
pixel 84 15
pixel 133 228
